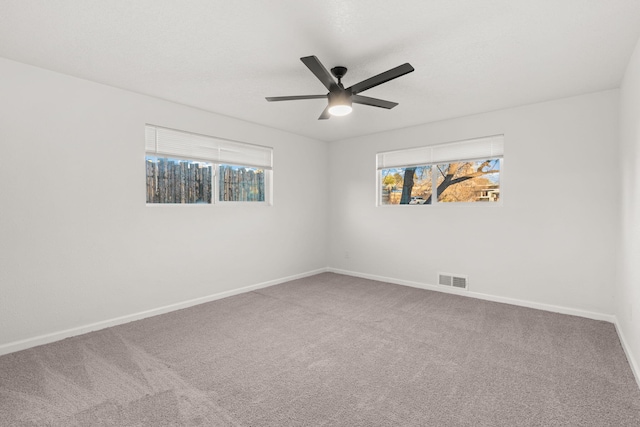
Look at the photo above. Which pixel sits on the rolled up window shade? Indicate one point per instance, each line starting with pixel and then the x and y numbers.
pixel 471 149
pixel 170 142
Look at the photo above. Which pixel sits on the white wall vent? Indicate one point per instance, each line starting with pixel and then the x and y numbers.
pixel 454 280
pixel 444 279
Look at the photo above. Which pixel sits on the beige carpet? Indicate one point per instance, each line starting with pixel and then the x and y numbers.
pixel 329 350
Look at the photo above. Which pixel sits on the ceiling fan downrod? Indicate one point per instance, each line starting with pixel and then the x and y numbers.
pixel 339 72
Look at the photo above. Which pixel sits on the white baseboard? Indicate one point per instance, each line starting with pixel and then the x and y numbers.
pixel 627 351
pixel 635 368
pixel 67 333
pixel 522 303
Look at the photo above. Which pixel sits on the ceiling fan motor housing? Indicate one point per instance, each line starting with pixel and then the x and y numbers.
pixel 342 97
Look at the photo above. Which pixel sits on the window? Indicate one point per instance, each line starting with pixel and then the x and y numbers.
pixel 465 171
pixel 178 181
pixel 393 185
pixel 241 184
pixel 181 168
pixel 472 181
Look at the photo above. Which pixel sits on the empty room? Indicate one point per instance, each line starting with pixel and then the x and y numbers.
pixel 305 213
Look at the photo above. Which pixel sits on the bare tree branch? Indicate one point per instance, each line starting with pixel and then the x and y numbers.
pixel 469 176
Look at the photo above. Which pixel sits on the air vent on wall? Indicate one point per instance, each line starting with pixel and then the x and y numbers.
pixel 454 280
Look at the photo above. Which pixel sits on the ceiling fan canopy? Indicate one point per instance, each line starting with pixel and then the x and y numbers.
pixel 340 100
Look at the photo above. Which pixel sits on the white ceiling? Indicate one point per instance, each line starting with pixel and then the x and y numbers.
pixel 225 56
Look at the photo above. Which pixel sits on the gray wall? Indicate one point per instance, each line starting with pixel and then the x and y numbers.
pixel 77 243
pixel 628 291
pixel 551 242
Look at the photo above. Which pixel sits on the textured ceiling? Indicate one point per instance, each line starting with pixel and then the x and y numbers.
pixel 225 56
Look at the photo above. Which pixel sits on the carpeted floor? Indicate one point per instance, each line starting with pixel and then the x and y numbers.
pixel 329 350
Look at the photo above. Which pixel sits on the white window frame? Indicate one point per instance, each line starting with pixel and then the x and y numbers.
pixel 182 145
pixel 432 155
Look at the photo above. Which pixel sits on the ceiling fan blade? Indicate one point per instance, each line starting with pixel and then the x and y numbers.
pixel 294 98
pixel 374 102
pixel 391 74
pixel 325 114
pixel 321 73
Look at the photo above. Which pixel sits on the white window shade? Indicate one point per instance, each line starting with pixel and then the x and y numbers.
pixel 402 158
pixel 170 142
pixel 150 138
pixel 471 149
pixel 245 154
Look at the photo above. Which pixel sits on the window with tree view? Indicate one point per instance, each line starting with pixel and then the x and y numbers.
pixel 465 171
pixel 474 181
pixel 181 168
pixel 406 186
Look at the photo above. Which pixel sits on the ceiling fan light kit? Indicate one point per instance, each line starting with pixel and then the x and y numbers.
pixel 340 99
pixel 339 103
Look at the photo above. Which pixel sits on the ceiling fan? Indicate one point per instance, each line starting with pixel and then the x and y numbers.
pixel 340 99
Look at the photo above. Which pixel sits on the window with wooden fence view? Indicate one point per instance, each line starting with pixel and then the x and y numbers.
pixel 178 181
pixel 188 168
pixel 465 171
pixel 241 184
